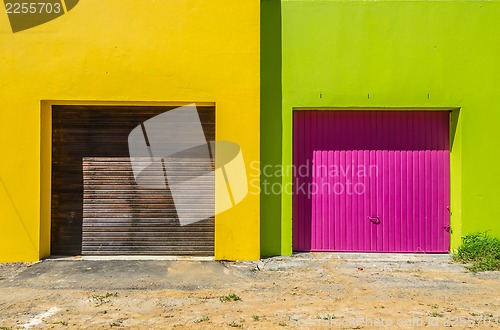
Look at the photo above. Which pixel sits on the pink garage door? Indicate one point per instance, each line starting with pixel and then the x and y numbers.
pixel 371 181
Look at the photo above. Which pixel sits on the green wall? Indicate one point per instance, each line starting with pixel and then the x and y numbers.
pixel 404 54
pixel 270 121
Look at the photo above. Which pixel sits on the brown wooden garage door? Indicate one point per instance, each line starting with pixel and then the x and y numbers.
pixel 98 208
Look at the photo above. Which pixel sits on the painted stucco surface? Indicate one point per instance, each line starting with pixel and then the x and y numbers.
pixel 121 51
pixel 403 54
pixel 270 121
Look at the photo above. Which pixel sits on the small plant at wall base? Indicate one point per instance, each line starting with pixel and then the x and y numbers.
pixel 481 251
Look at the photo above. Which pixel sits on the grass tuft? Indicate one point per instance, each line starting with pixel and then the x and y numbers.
pixel 104 298
pixel 435 314
pixel 61 323
pixel 230 297
pixel 481 251
pixel 203 319
pixel 235 325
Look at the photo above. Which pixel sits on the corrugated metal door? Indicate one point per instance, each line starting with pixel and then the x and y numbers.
pixel 97 206
pixel 371 181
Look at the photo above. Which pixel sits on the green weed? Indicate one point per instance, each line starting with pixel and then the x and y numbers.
pixel 481 251
pixel 203 319
pixel 103 299
pixel 435 314
pixel 229 297
pixel 61 323
pixel 236 325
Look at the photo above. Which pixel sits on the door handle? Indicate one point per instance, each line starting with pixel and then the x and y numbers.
pixel 375 220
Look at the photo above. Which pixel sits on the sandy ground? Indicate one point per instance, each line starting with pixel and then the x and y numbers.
pixel 340 291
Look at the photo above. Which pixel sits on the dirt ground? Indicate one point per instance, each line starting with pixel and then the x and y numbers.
pixel 327 290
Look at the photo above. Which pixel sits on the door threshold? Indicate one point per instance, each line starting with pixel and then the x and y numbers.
pixel 130 258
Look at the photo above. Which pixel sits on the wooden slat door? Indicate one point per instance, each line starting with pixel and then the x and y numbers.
pixel 97 206
pixel 122 217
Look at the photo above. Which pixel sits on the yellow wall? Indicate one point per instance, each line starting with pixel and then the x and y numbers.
pixel 125 51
